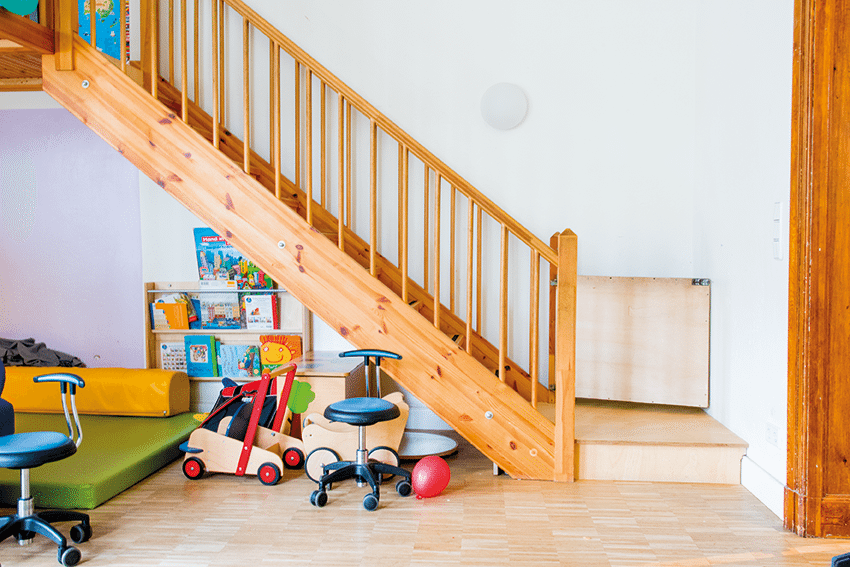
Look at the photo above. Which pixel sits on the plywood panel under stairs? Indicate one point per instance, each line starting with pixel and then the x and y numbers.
pixel 643 340
pixel 649 442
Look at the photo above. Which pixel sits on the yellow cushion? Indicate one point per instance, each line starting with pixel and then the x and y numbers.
pixel 108 391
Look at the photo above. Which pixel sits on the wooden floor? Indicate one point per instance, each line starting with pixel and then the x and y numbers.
pixel 480 519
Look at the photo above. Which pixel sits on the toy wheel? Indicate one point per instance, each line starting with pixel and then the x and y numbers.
pixel 370 502
pixel 69 556
pixel 315 463
pixel 319 498
pixel 384 455
pixel 268 473
pixel 293 458
pixel 403 488
pixel 193 468
pixel 80 533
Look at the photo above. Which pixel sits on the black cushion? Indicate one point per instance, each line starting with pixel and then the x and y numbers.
pixel 32 449
pixel 362 411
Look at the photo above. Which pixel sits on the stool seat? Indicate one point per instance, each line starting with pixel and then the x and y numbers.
pixel 362 411
pixel 33 449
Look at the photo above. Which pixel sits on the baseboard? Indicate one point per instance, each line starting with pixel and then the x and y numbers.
pixel 769 490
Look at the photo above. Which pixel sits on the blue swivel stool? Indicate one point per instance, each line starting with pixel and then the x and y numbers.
pixel 363 412
pixel 841 560
pixel 24 451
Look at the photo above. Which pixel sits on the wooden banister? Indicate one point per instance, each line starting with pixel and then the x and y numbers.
pixel 393 130
pixel 443 260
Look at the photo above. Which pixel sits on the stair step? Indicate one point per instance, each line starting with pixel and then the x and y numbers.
pixel 653 443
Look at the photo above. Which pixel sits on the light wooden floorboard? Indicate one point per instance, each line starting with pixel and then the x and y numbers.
pixel 480 519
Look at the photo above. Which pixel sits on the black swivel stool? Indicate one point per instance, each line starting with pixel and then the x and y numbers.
pixel 25 451
pixel 363 412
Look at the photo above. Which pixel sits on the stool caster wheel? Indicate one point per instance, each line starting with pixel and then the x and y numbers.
pixel 370 502
pixel 69 556
pixel 403 488
pixel 319 498
pixel 80 533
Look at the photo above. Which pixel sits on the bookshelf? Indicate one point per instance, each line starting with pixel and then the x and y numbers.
pixel 294 319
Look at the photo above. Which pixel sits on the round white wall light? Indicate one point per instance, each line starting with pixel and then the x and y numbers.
pixel 504 106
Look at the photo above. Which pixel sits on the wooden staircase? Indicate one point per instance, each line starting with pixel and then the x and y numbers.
pixel 447 362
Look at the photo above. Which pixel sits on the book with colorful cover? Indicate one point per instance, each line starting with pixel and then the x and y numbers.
pixel 220 311
pixel 277 350
pixel 232 361
pixel 221 265
pixel 169 315
pixel 172 356
pixel 261 312
pixel 201 358
pixel 250 363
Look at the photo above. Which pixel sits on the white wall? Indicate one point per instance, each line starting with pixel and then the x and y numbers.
pixel 743 168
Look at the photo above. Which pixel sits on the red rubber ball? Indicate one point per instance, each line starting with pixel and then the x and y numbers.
pixel 430 476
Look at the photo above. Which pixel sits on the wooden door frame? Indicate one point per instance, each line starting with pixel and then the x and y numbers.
pixel 809 511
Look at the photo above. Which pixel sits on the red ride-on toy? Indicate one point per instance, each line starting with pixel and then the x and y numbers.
pixel 244 433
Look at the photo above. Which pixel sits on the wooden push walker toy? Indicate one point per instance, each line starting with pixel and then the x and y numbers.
pixel 244 433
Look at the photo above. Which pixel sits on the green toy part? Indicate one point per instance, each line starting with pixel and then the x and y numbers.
pixel 300 396
pixel 20 7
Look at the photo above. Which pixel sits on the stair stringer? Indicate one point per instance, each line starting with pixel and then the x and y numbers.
pixel 326 280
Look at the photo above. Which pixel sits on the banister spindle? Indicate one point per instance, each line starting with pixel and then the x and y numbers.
pixel 308 173
pixel 426 223
pixel 404 228
pixel 297 124
pixel 503 303
pixel 470 234
pixel 184 59
pixel 478 263
pixel 154 26
pixel 437 305
pixel 373 200
pixel 93 22
pixel 534 335
pixel 323 189
pixel 123 35
pixel 196 53
pixel 246 97
pixel 170 40
pixel 222 76
pixel 348 135
pixel 275 145
pixel 452 252
pixel 215 70
pixel 341 171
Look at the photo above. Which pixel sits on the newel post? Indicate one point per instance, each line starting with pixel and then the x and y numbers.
pixel 566 243
pixel 65 22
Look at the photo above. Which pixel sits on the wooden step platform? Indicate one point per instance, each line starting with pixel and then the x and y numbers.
pixel 649 442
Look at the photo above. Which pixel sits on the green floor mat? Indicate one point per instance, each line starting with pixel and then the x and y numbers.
pixel 116 453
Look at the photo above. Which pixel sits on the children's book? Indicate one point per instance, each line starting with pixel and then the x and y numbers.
pixel 261 311
pixel 250 363
pixel 172 356
pixel 232 361
pixel 201 358
pixel 220 311
pixel 221 265
pixel 277 350
pixel 169 315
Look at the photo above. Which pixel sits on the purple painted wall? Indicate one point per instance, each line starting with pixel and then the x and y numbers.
pixel 70 240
